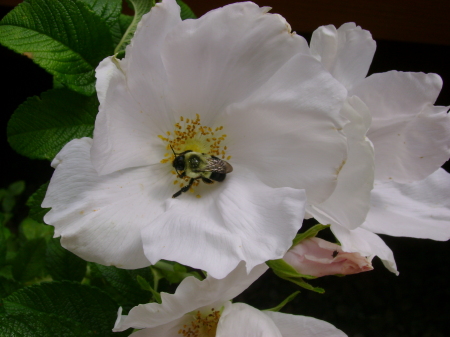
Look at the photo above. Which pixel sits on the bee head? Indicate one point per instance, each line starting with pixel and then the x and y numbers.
pixel 179 163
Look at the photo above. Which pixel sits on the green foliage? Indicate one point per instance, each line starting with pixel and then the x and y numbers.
pixel 62 264
pixel 310 233
pixel 7 286
pixel 108 10
pixel 122 284
pixel 173 272
pixel 86 308
pixel 140 7
pixel 16 188
pixel 34 203
pixel 30 230
pixel 43 325
pixel 7 247
pixel 8 201
pixel 40 127
pixel 65 37
pixel 285 301
pixel 120 28
pixel 3 237
pixel 146 286
pixel 29 263
pixel 186 12
pixel 285 271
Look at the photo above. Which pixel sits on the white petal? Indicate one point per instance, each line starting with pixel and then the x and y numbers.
pixel 289 132
pixel 99 217
pixel 245 321
pixel 350 201
pixel 410 135
pixel 132 93
pixel 346 52
pixel 192 294
pixel 169 329
pixel 224 56
pixel 420 209
pixel 104 72
pixel 366 243
pixel 302 326
pixel 238 219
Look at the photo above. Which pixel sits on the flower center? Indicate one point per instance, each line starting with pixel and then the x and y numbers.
pixel 191 135
pixel 203 325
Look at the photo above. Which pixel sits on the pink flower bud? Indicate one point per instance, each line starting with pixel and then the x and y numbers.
pixel 317 257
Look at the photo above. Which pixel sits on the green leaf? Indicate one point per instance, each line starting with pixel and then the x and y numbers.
pixel 3 238
pixel 302 283
pixel 29 263
pixel 310 233
pixel 64 37
pixel 62 264
pixel 31 230
pixel 3 193
pixel 57 84
pixel 42 325
pixel 34 203
pixel 119 29
pixel 16 188
pixel 286 301
pixel 146 286
pixel 123 283
pixel 140 7
pixel 40 127
pixel 186 12
pixel 108 10
pixel 2 243
pixel 285 271
pixel 8 250
pixel 174 272
pixel 8 203
pixel 7 287
pixel 93 309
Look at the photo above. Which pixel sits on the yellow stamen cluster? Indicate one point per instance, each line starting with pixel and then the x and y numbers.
pixel 190 134
pixel 202 325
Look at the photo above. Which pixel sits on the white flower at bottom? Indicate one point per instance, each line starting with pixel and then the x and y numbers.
pixel 203 309
pixel 411 140
pixel 236 84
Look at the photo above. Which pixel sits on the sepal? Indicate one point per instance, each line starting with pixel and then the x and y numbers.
pixel 285 271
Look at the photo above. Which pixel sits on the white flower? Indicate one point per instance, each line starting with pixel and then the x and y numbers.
pixel 411 140
pixel 203 309
pixel 235 83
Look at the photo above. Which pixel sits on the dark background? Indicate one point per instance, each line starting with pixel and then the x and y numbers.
pixel 376 303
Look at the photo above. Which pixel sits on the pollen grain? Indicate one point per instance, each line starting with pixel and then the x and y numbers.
pixel 202 325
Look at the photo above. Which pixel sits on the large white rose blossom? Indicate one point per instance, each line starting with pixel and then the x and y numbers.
pixel 411 140
pixel 203 309
pixel 236 84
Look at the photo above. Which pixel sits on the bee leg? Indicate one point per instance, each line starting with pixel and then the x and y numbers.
pixel 182 175
pixel 184 189
pixel 207 181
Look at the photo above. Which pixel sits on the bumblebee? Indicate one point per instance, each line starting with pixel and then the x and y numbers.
pixel 196 165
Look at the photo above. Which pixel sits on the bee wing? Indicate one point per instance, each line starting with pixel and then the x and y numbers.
pixel 217 165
